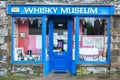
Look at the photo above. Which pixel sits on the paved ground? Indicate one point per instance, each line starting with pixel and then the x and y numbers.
pixel 67 76
pixel 59 76
pixel 56 76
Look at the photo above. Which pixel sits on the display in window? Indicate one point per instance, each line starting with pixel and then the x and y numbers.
pixel 88 41
pixel 28 40
pixel 93 46
pixel 98 42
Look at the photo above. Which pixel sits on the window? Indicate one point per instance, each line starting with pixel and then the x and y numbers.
pixel 28 39
pixel 93 39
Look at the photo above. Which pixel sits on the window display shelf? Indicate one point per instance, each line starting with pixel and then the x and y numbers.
pixel 28 58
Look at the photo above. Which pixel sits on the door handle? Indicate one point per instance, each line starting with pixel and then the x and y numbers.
pixel 59 54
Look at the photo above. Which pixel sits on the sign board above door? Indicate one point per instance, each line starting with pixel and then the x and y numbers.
pixel 60 10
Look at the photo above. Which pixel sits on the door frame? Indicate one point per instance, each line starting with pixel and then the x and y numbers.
pixel 50 39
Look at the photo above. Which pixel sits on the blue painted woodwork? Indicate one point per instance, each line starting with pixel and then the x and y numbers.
pixel 108 32
pixel 77 38
pixel 12 39
pixel 61 62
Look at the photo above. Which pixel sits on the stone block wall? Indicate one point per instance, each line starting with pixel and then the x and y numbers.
pixel 115 43
pixel 4 40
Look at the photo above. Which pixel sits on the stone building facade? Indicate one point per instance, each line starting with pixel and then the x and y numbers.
pixel 5 29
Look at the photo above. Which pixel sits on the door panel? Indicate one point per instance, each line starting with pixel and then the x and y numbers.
pixel 60 62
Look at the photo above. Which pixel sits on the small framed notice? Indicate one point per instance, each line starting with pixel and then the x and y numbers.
pixel 22 35
pixel 88 41
pixel 98 42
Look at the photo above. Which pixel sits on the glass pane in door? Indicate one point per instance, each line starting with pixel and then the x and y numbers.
pixel 60 35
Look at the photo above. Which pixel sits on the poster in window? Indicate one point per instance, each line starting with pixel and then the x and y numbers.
pixel 88 41
pixel 98 42
pixel 39 41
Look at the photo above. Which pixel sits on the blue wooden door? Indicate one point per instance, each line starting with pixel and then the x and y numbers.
pixel 60 44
